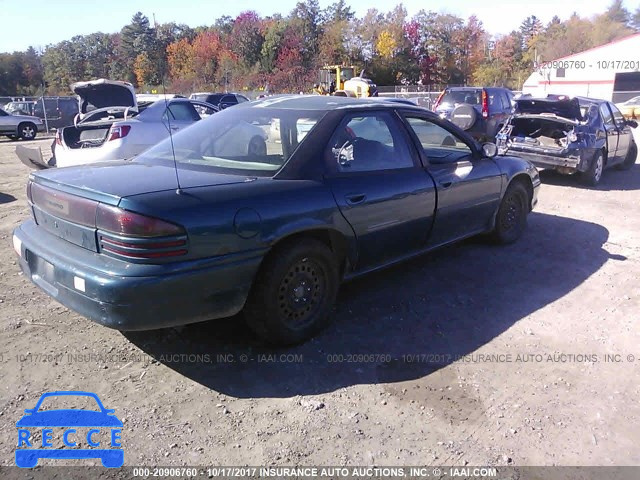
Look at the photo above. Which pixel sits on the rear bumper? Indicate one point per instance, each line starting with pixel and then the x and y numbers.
pixel 541 160
pixel 112 150
pixel 101 290
pixel 568 160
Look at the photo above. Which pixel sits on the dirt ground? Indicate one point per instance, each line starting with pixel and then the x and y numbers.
pixel 475 354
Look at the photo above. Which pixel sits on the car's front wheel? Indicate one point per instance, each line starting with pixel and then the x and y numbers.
pixel 27 131
pixel 511 219
pixel 293 293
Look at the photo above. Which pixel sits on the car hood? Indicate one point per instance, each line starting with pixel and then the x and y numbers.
pixel 109 182
pixel 569 108
pixel 104 93
pixel 69 418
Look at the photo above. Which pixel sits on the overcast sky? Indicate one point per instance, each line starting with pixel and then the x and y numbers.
pixel 42 22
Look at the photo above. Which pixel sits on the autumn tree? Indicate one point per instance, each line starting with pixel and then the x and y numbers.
pixel 247 38
pixel 181 60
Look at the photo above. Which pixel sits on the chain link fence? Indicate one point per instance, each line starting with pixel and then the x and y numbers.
pixel 423 95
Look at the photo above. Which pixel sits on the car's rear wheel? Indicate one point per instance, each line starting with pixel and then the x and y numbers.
pixel 630 159
pixel 593 174
pixel 293 293
pixel 27 131
pixel 511 219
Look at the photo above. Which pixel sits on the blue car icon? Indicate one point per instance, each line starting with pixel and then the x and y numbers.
pixel 69 419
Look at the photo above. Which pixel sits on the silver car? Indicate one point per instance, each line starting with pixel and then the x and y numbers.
pixel 19 126
pixel 112 125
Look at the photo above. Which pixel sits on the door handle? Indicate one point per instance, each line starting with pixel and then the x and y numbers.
pixel 446 184
pixel 355 198
pixel 175 128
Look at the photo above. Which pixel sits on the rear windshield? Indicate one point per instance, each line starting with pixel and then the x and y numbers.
pixel 472 97
pixel 242 140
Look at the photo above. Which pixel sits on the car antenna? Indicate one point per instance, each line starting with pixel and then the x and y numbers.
pixel 166 106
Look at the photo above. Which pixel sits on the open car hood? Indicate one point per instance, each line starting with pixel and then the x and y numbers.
pixel 568 108
pixel 102 93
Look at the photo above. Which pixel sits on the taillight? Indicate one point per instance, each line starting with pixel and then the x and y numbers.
pixel 132 235
pixel 117 132
pixel 485 104
pixel 439 99
pixel 123 222
pixel 58 137
pixel 29 196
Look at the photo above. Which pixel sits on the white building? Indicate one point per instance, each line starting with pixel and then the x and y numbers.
pixel 610 72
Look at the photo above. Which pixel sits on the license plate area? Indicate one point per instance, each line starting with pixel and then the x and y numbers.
pixel 43 273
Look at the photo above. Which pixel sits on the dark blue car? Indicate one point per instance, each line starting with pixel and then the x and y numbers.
pixel 205 225
pixel 581 136
pixel 70 419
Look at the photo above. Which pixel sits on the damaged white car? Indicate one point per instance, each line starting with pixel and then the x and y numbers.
pixel 112 125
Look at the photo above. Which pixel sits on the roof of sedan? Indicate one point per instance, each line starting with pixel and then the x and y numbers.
pixel 322 102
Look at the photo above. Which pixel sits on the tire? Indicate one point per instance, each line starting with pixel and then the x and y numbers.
pixel 511 219
pixel 257 147
pixel 464 116
pixel 593 174
pixel 27 131
pixel 293 293
pixel 630 159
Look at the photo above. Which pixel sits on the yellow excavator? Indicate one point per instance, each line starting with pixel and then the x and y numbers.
pixel 339 80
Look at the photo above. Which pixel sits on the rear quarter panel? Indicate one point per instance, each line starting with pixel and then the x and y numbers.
pixel 254 215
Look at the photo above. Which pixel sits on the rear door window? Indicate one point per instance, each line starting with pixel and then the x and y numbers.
pixel 438 144
pixel 231 99
pixel 181 112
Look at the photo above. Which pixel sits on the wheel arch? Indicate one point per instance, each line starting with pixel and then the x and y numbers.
pixel 524 179
pixel 335 240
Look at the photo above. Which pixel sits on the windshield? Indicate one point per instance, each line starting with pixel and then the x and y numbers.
pixel 472 97
pixel 243 140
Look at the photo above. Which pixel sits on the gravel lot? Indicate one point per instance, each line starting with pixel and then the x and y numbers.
pixel 433 362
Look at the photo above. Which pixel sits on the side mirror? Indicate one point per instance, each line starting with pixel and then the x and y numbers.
pixel 631 123
pixel 489 150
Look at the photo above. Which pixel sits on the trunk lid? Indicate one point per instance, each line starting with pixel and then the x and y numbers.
pixel 566 108
pixel 103 93
pixel 108 182
pixel 65 201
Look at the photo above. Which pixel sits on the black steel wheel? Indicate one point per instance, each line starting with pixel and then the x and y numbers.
pixel 511 219
pixel 293 293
